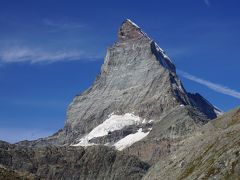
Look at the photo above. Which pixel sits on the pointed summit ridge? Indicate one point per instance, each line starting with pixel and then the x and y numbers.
pixel 130 31
pixel 134 24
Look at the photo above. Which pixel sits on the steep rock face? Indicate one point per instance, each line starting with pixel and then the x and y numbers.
pixel 132 79
pixel 51 162
pixel 168 133
pixel 204 106
pixel 137 77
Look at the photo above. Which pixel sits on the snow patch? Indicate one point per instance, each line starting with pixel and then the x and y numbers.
pixel 113 123
pixel 162 52
pixel 165 57
pixel 150 121
pixel 133 23
pixel 128 140
pixel 144 121
pixel 218 111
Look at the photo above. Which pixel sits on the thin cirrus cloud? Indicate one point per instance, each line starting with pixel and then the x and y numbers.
pixel 63 25
pixel 25 54
pixel 207 2
pixel 216 87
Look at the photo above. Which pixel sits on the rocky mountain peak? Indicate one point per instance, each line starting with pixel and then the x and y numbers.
pixel 133 39
pixel 130 31
pixel 137 84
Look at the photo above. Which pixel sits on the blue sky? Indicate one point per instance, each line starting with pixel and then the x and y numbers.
pixel 52 50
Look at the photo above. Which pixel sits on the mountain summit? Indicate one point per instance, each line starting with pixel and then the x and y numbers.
pixel 136 87
pixel 129 31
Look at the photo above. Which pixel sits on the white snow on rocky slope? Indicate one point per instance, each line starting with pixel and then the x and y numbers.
pixel 166 58
pixel 113 123
pixel 133 23
pixel 130 139
pixel 218 111
pixel 162 52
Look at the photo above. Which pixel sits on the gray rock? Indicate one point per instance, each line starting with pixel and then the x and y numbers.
pixel 97 162
pixel 211 152
pixel 168 133
pixel 137 76
pixel 8 174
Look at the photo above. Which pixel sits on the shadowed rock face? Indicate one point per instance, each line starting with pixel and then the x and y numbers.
pixel 137 76
pixel 95 162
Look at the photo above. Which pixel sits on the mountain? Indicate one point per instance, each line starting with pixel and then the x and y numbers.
pixel 137 85
pixel 136 121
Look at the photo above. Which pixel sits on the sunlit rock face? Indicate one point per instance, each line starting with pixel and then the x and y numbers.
pixel 137 77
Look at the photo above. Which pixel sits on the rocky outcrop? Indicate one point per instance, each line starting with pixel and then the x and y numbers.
pixel 97 162
pixel 212 152
pixel 168 133
pixel 8 174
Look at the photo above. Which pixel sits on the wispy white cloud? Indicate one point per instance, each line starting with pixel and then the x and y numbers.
pixel 63 25
pixel 178 52
pixel 216 87
pixel 43 103
pixel 25 54
pixel 207 2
